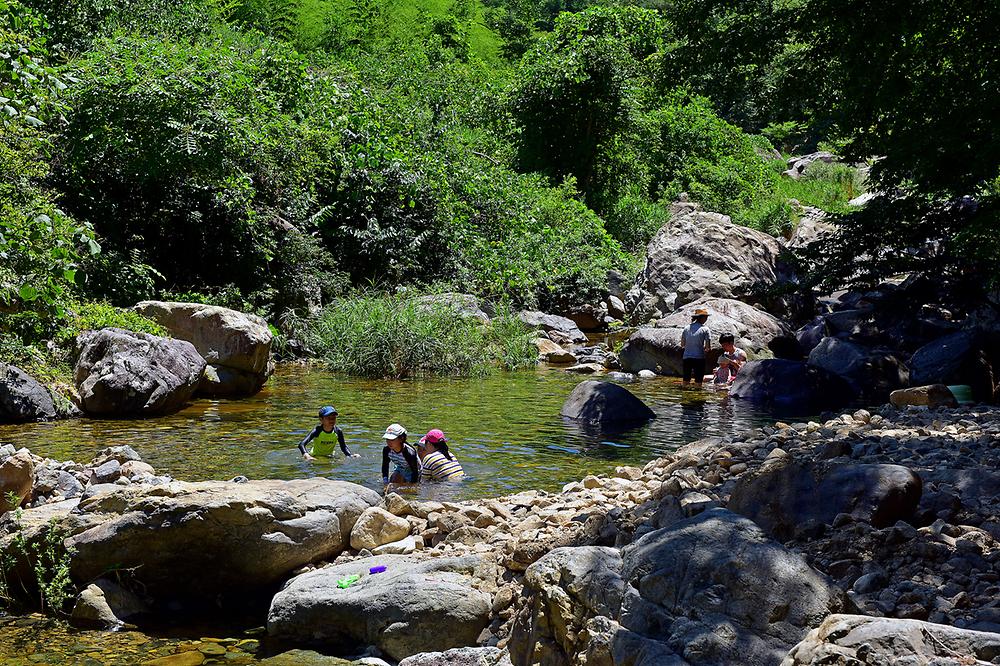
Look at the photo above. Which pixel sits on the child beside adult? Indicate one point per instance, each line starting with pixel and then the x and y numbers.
pixel 406 466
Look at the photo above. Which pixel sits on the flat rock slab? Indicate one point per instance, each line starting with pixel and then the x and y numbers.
pixel 552 323
pixel 787 498
pixel 411 607
pixel 208 538
pixel 876 641
pixel 478 656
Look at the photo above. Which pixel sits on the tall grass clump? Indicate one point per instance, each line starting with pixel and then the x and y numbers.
pixel 825 186
pixel 397 336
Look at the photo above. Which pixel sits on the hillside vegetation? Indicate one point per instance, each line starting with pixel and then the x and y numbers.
pixel 274 155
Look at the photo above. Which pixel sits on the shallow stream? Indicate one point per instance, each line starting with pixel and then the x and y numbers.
pixel 505 429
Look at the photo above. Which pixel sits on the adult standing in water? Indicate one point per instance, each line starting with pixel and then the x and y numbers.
pixel 696 341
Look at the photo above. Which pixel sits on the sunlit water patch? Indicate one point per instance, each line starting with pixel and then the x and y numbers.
pixel 505 429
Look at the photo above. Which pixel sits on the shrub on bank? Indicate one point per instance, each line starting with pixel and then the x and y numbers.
pixel 396 336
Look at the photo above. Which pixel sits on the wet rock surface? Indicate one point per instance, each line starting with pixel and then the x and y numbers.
pixel 646 566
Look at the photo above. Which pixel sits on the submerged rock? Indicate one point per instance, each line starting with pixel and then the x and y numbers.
pixel 411 607
pixel 605 403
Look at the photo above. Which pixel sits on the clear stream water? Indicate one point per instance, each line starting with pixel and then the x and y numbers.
pixel 505 429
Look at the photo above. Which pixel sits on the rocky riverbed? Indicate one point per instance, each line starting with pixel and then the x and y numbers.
pixel 731 550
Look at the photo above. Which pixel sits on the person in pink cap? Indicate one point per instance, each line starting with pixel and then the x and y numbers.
pixel 436 462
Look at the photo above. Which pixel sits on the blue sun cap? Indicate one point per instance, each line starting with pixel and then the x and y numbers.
pixel 327 411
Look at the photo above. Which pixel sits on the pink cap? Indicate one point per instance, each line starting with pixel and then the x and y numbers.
pixel 433 437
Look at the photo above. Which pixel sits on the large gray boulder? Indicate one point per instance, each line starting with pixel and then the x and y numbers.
pixel 605 404
pixel 872 373
pixel 790 387
pixel 204 539
pixel 788 498
pixel 954 359
pixel 560 329
pixel 716 589
pixel 22 398
pixel 648 348
pixel 698 254
pixel 712 589
pixel 236 345
pixel 122 373
pixel 411 607
pixel 876 641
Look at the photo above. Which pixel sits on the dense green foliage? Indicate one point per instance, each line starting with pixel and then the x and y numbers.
pixel 400 336
pixel 39 245
pixel 276 155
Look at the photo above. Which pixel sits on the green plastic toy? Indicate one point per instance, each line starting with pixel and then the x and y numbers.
pixel 347 581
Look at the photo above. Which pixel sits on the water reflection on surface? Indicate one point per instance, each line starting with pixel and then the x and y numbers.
pixel 505 429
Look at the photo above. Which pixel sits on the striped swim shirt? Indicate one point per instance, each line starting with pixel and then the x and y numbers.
pixel 438 468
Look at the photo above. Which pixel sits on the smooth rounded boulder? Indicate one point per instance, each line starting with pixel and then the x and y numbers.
pixel 124 373
pixel 932 396
pixel 660 347
pixel 409 608
pixel 953 359
pixel 788 498
pixel 790 387
pixel 17 474
pixel 692 257
pixel 605 404
pixel 204 539
pixel 376 527
pixel 22 397
pixel 237 345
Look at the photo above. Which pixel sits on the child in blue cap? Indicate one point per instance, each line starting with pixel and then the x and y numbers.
pixel 325 436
